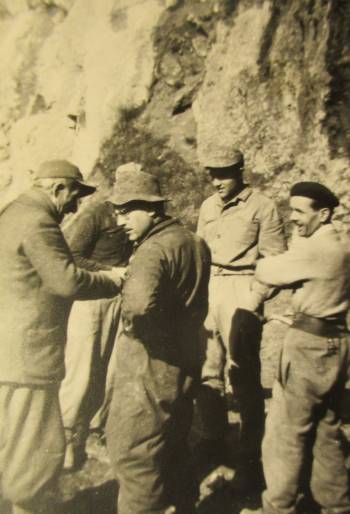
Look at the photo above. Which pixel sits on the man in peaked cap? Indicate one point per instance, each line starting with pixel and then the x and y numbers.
pixel 164 303
pixel 39 281
pixel 240 225
pixel 314 366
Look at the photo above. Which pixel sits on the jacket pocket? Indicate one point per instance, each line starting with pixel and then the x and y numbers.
pixel 246 230
pixel 44 354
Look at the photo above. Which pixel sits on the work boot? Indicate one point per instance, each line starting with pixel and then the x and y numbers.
pixel 210 453
pixel 248 478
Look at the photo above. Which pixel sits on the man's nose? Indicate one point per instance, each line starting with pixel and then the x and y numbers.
pixel 121 219
pixel 216 182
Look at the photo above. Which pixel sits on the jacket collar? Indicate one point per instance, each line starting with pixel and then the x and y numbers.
pixel 37 198
pixel 167 222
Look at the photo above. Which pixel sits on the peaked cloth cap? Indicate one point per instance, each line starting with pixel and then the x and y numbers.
pixel 132 185
pixel 65 169
pixel 315 191
pixel 222 158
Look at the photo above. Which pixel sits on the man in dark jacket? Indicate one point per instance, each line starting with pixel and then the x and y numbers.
pixel 38 282
pixel 97 243
pixel 164 302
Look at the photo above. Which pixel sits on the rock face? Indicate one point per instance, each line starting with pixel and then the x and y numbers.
pixel 163 82
pixel 69 66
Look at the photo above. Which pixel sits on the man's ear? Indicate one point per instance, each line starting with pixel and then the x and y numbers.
pixel 152 213
pixel 325 214
pixel 57 188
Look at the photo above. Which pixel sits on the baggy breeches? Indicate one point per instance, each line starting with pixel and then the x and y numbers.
pixel 226 294
pixel 304 418
pixel 147 429
pixel 31 443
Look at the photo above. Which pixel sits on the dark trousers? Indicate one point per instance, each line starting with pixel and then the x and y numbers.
pixel 147 429
pixel 226 295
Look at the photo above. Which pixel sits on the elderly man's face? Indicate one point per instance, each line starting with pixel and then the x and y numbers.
pixel 227 181
pixel 68 197
pixel 136 221
pixel 305 217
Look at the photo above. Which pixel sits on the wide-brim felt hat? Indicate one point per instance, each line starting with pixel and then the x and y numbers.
pixel 133 185
pixel 65 169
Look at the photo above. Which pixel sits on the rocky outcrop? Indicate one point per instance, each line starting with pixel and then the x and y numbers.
pixel 69 67
pixel 162 82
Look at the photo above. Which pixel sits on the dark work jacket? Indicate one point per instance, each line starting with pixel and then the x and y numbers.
pixel 165 295
pixel 38 283
pixel 95 239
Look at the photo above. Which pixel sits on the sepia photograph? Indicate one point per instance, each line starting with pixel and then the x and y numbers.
pixel 174 257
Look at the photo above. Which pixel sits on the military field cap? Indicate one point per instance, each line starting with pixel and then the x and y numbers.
pixel 65 169
pixel 132 184
pixel 317 192
pixel 223 158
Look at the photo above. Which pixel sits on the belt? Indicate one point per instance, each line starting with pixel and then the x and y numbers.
pixel 232 267
pixel 323 327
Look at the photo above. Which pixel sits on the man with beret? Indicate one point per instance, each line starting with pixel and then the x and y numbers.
pixel 314 366
pixel 239 224
pixel 164 303
pixel 39 281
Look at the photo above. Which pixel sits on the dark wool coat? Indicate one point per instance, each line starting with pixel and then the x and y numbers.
pixel 38 283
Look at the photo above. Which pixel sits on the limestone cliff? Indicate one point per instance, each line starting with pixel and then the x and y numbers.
pixel 102 82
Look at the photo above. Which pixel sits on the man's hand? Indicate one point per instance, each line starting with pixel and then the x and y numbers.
pixel 117 274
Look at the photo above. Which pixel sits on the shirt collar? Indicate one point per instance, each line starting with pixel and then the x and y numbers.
pixel 242 196
pixel 323 230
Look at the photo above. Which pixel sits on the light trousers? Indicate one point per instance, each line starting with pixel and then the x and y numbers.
pixel 31 444
pixel 86 390
pixel 304 423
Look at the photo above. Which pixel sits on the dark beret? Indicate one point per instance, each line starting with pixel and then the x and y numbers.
pixel 317 192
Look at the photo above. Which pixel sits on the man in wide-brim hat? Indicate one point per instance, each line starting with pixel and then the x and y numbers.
pixel 164 302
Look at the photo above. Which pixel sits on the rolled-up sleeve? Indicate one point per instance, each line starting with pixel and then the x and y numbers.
pixel 287 268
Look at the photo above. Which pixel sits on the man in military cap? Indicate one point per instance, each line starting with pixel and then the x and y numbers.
pixel 39 281
pixel 240 225
pixel 164 303
pixel 314 366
